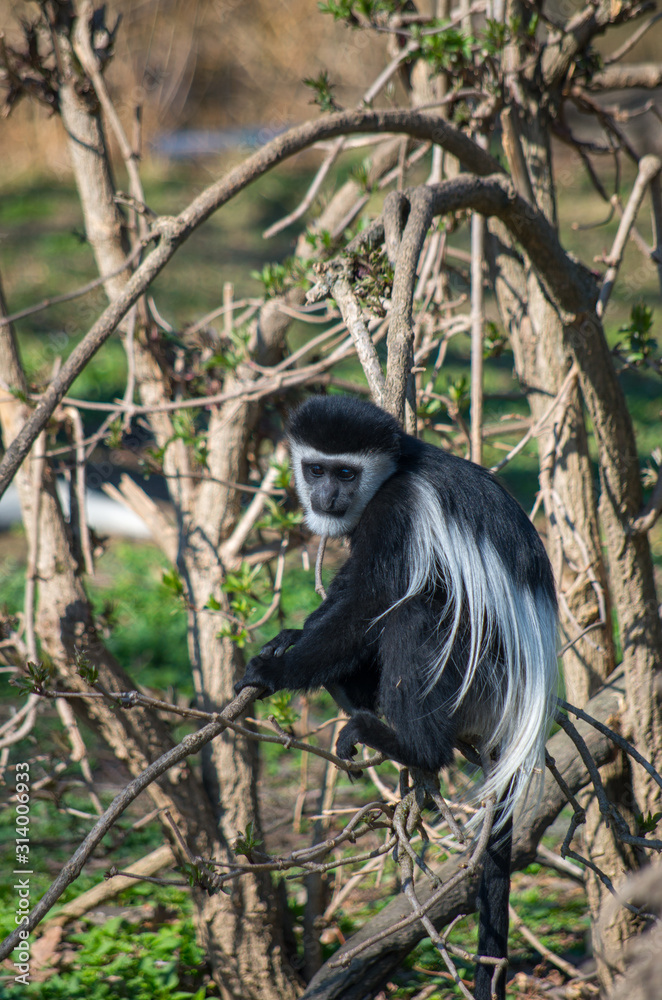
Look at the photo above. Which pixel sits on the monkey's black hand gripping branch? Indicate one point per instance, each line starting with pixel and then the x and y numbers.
pixel 260 670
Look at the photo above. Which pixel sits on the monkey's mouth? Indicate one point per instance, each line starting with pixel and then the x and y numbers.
pixel 335 512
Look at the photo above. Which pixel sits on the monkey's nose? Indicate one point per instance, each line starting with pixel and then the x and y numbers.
pixel 327 500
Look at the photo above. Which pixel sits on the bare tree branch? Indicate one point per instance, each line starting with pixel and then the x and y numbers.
pixel 630 42
pixel 649 168
pixel 335 282
pixel 172 232
pixel 648 76
pixel 399 382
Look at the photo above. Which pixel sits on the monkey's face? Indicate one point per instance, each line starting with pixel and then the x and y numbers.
pixel 335 489
pixel 332 487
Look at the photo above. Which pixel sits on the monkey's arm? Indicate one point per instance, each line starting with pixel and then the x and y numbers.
pixel 328 649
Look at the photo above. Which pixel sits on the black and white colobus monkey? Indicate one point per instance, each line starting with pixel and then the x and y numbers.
pixel 441 625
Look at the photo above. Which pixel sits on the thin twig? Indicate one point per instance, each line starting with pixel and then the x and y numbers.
pixel 335 280
pixel 90 63
pixel 230 549
pixel 319 586
pixel 278 586
pixel 11 732
pixel 568 381
pixel 407 877
pixel 477 318
pixel 191 744
pixel 651 511
pixel 37 472
pixel 570 970
pixel 467 871
pixel 623 49
pixel 77 293
pixel 338 146
pixel 620 742
pixel 649 167
pixel 81 490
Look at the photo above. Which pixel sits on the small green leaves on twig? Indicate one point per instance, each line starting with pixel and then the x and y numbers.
pixel 283 480
pixel 183 424
pixel 241 582
pixel 357 12
pixel 448 49
pixel 275 518
pixel 37 680
pixel 245 843
pixel 173 582
pixel 277 278
pixel 647 824
pixel 361 174
pixel 323 91
pixel 243 598
pixel 194 874
pixel 233 352
pixel 280 707
pixel 373 279
pixel 185 430
pixel 458 392
pixel 85 669
pixel 494 343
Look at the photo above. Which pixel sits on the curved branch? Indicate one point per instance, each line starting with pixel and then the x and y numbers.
pixel 174 231
pixel 569 282
pixel 649 168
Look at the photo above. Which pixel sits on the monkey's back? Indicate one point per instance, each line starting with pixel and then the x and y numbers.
pixel 467 622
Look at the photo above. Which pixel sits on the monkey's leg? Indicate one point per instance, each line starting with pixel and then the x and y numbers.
pixel 364 727
pixel 493 899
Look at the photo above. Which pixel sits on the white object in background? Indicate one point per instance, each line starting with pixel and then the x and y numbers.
pixel 105 516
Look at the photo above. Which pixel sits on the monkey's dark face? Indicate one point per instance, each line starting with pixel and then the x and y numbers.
pixel 332 486
pixel 335 489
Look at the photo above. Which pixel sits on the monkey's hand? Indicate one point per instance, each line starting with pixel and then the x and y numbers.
pixel 260 672
pixel 281 642
pixel 258 675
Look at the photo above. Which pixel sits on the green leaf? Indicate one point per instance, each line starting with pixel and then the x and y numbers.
pixel 323 90
pixel 38 678
pixel 648 823
pixel 173 581
pixel 246 842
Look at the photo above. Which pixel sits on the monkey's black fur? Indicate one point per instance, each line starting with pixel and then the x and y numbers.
pixel 373 649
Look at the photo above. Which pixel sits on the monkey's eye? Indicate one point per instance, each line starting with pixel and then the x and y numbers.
pixel 316 470
pixel 346 474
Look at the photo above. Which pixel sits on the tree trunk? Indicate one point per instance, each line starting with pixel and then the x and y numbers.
pixel 241 930
pixel 566 480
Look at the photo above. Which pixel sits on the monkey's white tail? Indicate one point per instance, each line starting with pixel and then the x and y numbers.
pixel 513 699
